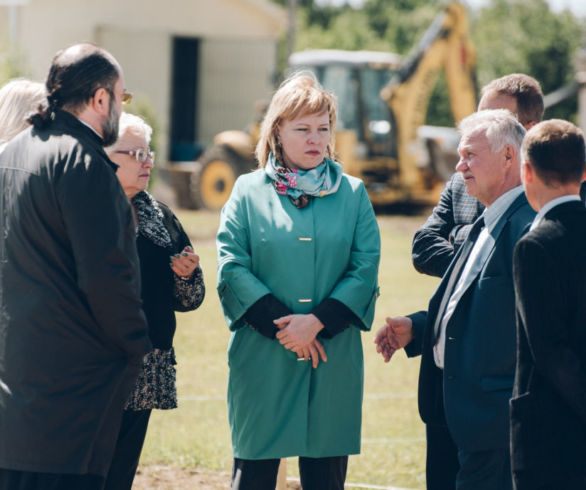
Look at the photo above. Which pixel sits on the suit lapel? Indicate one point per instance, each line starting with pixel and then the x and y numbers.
pixel 497 230
pixel 452 274
pixel 450 279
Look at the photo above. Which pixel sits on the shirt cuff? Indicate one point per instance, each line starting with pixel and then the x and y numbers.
pixel 261 314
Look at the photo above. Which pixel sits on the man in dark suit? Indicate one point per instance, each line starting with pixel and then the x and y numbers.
pixel 467 336
pixel 72 332
pixel 548 408
pixel 437 241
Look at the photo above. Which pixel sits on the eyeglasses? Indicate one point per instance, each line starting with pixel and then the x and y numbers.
pixel 141 155
pixel 126 97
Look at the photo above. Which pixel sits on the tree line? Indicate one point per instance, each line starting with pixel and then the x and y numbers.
pixel 509 36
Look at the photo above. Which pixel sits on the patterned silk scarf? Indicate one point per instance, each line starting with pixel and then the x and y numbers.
pixel 301 185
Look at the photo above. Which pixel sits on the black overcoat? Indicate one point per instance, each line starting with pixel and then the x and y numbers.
pixel 548 408
pixel 72 332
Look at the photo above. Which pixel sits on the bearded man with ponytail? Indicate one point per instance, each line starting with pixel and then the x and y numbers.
pixel 72 332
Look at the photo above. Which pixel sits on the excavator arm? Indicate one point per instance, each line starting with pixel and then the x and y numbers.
pixel 445 45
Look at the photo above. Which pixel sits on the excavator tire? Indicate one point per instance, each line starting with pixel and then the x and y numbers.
pixel 215 175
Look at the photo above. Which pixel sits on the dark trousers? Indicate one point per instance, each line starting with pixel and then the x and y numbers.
pixel 26 480
pixel 315 473
pixel 529 481
pixel 441 464
pixel 485 470
pixel 127 452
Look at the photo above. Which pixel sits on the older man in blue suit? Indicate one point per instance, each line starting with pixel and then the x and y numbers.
pixel 437 241
pixel 467 336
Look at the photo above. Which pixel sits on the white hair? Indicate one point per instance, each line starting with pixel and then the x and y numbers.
pixel 19 99
pixel 499 125
pixel 130 123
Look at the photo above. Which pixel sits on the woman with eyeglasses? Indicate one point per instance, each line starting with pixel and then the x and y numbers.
pixel 172 281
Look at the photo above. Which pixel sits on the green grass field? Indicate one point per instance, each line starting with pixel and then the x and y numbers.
pixel 197 435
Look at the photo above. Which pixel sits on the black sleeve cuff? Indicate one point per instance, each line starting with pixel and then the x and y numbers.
pixel 419 322
pixel 261 314
pixel 335 316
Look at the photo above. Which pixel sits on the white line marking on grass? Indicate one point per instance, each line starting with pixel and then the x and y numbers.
pixel 201 398
pixel 359 485
pixel 369 396
pixel 378 487
pixel 385 396
pixel 387 440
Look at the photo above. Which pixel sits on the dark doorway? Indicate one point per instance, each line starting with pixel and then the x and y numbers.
pixel 184 88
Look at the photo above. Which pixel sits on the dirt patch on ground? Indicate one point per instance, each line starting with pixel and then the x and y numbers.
pixel 168 478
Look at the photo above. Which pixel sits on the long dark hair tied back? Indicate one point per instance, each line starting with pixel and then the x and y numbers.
pixel 75 75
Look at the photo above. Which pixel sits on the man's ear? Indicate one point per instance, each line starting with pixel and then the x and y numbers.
pixel 509 152
pixel 527 172
pixel 100 102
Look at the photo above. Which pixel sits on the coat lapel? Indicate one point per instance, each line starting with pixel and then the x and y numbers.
pixel 445 285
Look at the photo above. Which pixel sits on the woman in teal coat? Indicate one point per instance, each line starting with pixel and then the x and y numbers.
pixel 298 253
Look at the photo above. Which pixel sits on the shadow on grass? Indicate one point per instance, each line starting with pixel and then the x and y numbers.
pixel 402 209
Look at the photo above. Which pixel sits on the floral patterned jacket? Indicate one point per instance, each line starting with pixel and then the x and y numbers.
pixel 159 236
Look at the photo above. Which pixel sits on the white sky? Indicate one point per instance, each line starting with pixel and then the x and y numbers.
pixel 578 7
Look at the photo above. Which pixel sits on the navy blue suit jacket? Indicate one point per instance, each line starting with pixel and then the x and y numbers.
pixel 471 394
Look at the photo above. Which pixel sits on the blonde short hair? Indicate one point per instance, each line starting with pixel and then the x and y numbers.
pixel 19 99
pixel 299 95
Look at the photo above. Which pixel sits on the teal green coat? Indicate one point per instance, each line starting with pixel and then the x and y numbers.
pixel 278 406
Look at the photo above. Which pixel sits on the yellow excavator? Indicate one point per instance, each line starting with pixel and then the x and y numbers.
pixel 381 137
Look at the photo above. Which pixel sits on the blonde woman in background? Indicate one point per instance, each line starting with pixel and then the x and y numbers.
pixel 19 99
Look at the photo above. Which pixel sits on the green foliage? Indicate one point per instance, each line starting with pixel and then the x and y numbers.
pixel 525 36
pixel 510 36
pixel 380 26
pixel 349 31
pixel 12 64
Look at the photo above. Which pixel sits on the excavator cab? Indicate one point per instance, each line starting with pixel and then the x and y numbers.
pixel 366 126
pixel 381 135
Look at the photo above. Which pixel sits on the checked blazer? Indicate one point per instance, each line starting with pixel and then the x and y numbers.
pixel 437 241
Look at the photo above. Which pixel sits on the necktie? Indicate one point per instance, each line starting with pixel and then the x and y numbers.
pixel 460 261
